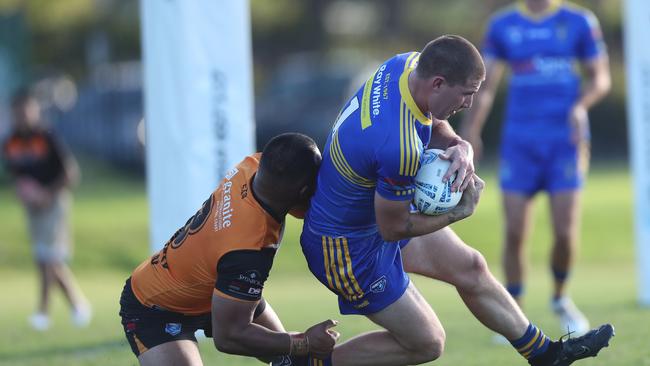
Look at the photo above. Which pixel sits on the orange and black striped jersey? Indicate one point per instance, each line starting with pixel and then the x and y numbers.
pixel 226 248
pixel 36 154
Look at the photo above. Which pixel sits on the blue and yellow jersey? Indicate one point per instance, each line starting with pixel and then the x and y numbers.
pixel 543 54
pixel 375 145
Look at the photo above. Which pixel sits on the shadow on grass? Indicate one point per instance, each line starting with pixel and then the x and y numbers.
pixel 78 351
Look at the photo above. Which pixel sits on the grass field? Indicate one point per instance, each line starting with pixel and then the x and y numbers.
pixel 110 226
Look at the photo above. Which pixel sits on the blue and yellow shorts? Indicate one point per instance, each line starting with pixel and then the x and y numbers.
pixel 365 273
pixel 531 165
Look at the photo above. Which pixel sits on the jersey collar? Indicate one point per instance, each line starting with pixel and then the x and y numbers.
pixel 406 93
pixel 552 9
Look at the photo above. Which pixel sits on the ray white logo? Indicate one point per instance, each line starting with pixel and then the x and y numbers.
pixel 376 90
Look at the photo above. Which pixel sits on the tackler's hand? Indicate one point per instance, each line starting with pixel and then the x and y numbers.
pixel 322 338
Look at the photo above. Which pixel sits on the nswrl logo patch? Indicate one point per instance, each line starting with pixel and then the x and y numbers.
pixel 173 329
pixel 379 285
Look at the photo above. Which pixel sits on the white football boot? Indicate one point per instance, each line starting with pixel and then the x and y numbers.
pixel 40 321
pixel 82 315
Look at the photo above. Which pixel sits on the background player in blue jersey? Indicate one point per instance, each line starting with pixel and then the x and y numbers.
pixel 545 137
pixel 360 234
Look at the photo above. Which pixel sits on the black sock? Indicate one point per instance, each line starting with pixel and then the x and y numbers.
pixel 548 356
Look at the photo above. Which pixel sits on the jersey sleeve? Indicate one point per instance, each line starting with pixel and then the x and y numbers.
pixel 397 166
pixel 590 43
pixel 492 46
pixel 241 273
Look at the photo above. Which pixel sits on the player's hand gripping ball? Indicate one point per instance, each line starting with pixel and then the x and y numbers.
pixel 432 196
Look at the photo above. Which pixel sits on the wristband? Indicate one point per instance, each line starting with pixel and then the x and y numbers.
pixel 299 344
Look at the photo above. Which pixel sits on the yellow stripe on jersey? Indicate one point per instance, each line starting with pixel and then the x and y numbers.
pixel 404 122
pixel 409 145
pixel 411 61
pixel 343 167
pixel 409 113
pixel 327 264
pixel 415 144
pixel 353 279
pixel 415 156
pixel 402 161
pixel 341 268
pixel 332 267
pixel 365 102
pixel 338 265
pixel 408 98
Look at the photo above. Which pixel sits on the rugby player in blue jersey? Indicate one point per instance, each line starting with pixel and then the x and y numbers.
pixel 360 235
pixel 545 137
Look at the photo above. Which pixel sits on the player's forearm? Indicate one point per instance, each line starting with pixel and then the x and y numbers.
pixel 253 340
pixel 416 224
pixel 598 83
pixel 595 90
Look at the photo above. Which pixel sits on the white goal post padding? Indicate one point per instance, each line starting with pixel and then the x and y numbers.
pixel 637 55
pixel 198 103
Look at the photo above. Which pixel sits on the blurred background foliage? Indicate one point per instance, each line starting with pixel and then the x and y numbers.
pixel 309 56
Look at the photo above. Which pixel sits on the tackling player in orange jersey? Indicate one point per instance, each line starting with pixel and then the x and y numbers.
pixel 211 273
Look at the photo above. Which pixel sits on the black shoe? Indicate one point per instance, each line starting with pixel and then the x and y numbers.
pixel 588 345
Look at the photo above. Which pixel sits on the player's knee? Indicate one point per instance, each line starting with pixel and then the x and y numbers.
pixel 475 273
pixel 514 239
pixel 563 239
pixel 428 349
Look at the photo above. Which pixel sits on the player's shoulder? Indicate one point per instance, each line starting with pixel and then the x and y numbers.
pixel 381 97
pixel 576 10
pixel 248 166
pixel 579 15
pixel 399 62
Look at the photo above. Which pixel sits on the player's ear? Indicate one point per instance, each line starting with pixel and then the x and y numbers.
pixel 437 82
pixel 300 207
pixel 307 191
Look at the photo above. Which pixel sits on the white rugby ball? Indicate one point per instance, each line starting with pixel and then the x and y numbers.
pixel 432 196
